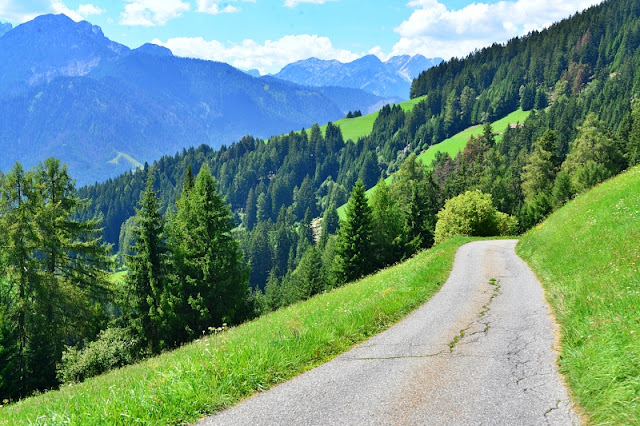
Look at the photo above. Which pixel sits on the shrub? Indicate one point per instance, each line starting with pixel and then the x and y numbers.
pixel 472 214
pixel 115 347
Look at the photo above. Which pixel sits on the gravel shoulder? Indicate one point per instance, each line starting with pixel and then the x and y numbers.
pixel 481 351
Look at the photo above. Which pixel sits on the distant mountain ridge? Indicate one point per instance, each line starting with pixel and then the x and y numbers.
pixel 386 79
pixel 67 90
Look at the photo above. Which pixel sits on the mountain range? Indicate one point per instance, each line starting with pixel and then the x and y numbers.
pixel 387 79
pixel 68 91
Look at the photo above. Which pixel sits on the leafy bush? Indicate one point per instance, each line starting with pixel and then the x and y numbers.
pixel 472 214
pixel 115 347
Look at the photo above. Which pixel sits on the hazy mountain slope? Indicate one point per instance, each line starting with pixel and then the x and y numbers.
pixel 346 98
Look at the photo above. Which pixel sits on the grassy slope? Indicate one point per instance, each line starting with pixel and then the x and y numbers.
pixel 456 143
pixel 587 256
pixel 218 371
pixel 135 164
pixel 354 128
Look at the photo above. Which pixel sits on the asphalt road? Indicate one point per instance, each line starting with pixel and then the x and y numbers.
pixel 479 352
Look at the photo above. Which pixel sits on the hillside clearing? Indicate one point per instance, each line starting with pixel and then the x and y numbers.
pixel 355 128
pixel 457 142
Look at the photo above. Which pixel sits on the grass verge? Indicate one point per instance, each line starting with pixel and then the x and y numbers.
pixel 587 256
pixel 218 371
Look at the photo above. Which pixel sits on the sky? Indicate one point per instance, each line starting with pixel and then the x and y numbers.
pixel 268 34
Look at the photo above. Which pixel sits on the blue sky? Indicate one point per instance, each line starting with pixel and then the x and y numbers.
pixel 268 34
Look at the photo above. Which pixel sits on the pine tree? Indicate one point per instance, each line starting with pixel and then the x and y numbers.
pixel 354 251
pixel 594 156
pixel 147 278
pixel 538 176
pixel 310 277
pixel 305 235
pixel 251 210
pixel 419 199
pixel 19 273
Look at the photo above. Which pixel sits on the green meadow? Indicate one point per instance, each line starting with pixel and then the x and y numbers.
pixel 355 128
pixel 457 142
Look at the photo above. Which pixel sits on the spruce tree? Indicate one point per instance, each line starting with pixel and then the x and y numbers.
pixel 147 278
pixel 210 280
pixel 354 250
pixel 330 223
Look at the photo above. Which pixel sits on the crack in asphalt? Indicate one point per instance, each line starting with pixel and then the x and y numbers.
pixel 483 314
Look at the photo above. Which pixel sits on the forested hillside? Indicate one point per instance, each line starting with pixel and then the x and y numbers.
pixel 584 127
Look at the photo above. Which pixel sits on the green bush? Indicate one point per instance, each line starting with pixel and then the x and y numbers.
pixel 115 347
pixel 472 214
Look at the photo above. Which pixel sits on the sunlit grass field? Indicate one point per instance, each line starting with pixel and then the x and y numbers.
pixel 220 370
pixel 587 256
pixel 355 128
pixel 457 142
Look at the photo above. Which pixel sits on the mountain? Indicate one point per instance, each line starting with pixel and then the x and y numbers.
pixel 67 90
pixel 51 46
pixel 386 79
pixel 253 73
pixel 5 27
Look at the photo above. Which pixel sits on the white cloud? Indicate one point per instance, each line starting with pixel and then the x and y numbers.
pixel 294 3
pixel 149 13
pixel 18 11
pixel 434 30
pixel 268 57
pixel 89 9
pixel 214 7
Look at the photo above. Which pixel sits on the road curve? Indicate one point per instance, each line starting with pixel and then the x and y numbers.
pixel 479 352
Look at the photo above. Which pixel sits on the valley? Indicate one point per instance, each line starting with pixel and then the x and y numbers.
pixel 179 235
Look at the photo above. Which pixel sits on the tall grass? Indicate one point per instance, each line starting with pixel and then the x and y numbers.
pixel 587 256
pixel 218 371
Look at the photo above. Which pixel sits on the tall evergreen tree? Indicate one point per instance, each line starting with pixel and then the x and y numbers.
pixel 419 198
pixel 595 155
pixel 52 274
pixel 209 279
pixel 354 250
pixel 147 278
pixel 330 223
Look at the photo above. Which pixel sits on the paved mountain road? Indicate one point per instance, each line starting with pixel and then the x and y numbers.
pixel 479 352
